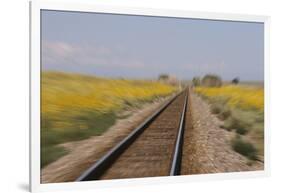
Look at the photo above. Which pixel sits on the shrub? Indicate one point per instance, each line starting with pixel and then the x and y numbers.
pixel 227 124
pixel 211 81
pixel 216 108
pixel 168 79
pixel 196 81
pixel 241 130
pixel 235 80
pixel 239 125
pixel 225 113
pixel 244 148
pixel 163 77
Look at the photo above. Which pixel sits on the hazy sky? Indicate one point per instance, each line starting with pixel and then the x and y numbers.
pixel 144 47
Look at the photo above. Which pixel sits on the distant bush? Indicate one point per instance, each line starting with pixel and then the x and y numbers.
pixel 211 81
pixel 196 81
pixel 163 77
pixel 235 80
pixel 168 79
pixel 244 148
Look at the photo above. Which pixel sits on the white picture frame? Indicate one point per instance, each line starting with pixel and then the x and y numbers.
pixel 37 6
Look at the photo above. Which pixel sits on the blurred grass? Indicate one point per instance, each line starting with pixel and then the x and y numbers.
pixel 244 147
pixel 242 110
pixel 51 153
pixel 75 107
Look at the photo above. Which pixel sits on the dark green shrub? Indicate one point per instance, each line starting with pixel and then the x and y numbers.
pixel 216 108
pixel 244 148
pixel 225 113
pixel 241 130
pixel 163 77
pixel 235 80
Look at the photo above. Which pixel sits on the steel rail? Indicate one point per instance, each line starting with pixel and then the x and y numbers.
pixel 97 169
pixel 176 163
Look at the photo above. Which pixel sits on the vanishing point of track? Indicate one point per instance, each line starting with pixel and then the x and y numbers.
pixel 154 148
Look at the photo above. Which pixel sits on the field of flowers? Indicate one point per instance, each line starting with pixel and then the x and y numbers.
pixel 237 96
pixel 74 107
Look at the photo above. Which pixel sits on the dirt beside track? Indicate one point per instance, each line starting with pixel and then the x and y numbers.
pixel 207 146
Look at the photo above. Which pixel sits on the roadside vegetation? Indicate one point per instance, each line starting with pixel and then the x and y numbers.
pixel 75 107
pixel 241 108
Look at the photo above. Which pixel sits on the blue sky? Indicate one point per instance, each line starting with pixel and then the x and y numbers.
pixel 144 47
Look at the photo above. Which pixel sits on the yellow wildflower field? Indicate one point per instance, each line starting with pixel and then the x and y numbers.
pixel 244 97
pixel 62 90
pixel 75 106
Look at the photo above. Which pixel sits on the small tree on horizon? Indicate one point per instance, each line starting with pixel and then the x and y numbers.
pixel 163 77
pixel 235 80
pixel 211 80
pixel 196 81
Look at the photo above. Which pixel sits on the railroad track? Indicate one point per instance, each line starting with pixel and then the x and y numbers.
pixel 153 149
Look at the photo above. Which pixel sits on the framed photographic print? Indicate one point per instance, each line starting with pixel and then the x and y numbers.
pixel 123 96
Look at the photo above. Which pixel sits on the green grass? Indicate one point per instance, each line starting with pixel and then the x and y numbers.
pixel 51 153
pixel 93 124
pixel 245 148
